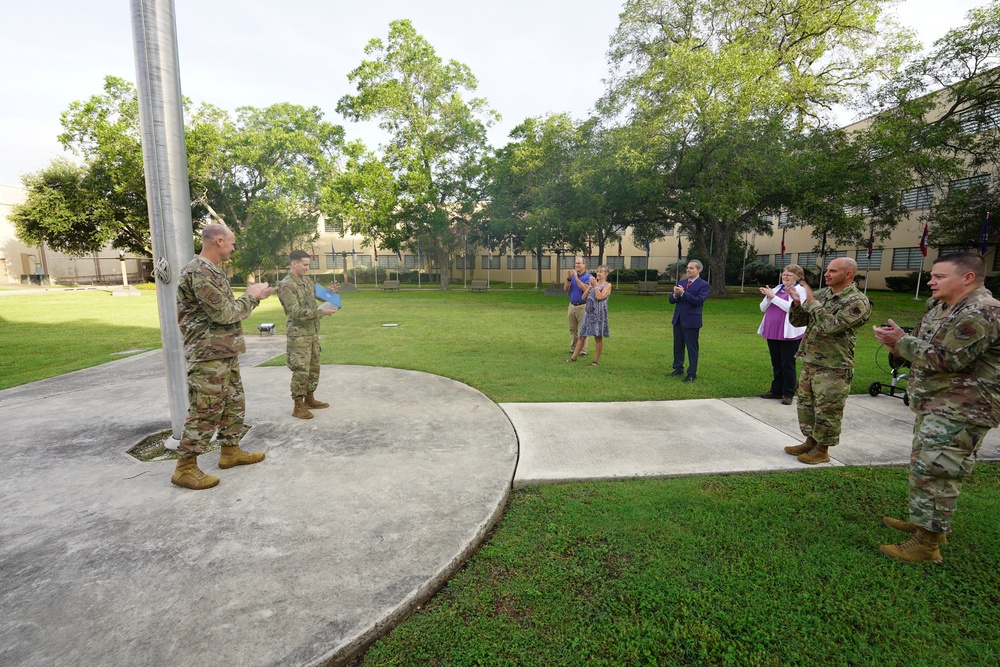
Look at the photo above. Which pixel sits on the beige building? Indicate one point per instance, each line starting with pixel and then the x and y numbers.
pixel 21 264
pixel 900 253
pixel 335 252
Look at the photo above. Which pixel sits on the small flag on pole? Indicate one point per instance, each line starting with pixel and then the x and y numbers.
pixel 782 246
pixel 619 247
pixel 871 243
pixel 399 254
pixel 923 240
pixel 984 235
pixel 590 248
pixel 375 247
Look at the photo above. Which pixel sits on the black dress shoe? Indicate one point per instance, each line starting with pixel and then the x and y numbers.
pixel 677 373
pixel 689 378
pixel 770 395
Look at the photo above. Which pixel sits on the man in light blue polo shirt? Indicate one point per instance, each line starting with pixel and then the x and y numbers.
pixel 576 279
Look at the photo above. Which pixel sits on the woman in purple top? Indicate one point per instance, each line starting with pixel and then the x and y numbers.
pixel 782 338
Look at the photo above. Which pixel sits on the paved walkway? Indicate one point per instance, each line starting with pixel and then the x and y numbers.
pixel 355 517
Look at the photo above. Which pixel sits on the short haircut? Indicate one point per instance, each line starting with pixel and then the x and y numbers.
pixel 602 266
pixel 212 231
pixel 701 267
pixel 850 264
pixel 966 262
pixel 296 255
pixel 796 270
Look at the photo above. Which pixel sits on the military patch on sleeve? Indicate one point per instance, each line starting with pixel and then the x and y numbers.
pixel 965 332
pixel 214 298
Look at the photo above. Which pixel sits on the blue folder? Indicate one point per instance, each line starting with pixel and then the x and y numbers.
pixel 331 298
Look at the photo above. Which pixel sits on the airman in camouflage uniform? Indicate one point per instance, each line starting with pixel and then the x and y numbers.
pixel 209 318
pixel 832 316
pixel 298 298
pixel 953 386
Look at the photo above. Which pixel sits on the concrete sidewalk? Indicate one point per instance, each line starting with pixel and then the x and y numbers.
pixel 353 519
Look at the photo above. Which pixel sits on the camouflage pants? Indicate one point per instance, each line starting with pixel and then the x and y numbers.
pixel 944 452
pixel 215 403
pixel 822 395
pixel 302 358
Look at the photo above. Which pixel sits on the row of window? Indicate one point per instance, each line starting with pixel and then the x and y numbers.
pixel 903 259
pixel 922 197
pixel 495 263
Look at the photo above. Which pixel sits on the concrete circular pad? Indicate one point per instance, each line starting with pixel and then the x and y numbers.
pixel 354 517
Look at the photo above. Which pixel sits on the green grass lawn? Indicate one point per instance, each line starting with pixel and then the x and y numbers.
pixel 755 569
pixel 509 344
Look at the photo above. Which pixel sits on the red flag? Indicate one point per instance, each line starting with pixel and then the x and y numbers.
pixel 871 243
pixel 923 241
pixel 376 252
pixel 619 247
pixel 590 248
pixel 782 245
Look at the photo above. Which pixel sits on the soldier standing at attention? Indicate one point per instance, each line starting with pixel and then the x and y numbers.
pixel 955 364
pixel 210 321
pixel 298 298
pixel 832 317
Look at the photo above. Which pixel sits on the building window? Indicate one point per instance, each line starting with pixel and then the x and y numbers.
pixel 362 260
pixel 334 261
pixel 807 260
pixel 786 219
pixel 981 119
pixel 546 262
pixel 468 261
pixel 333 227
pixel 515 262
pixel 493 263
pixel 762 259
pixel 388 262
pixel 592 263
pixel 834 254
pixel 615 263
pixel 865 264
pixel 567 262
pixel 412 262
pixel 637 262
pixel 971 182
pixel 907 259
pixel 918 198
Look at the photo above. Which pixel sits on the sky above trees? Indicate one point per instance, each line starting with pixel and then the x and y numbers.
pixel 531 57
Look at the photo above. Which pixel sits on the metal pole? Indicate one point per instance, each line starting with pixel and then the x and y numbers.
pixel 168 197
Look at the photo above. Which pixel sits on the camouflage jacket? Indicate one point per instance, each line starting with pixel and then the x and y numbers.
pixel 298 298
pixel 208 314
pixel 832 322
pixel 955 360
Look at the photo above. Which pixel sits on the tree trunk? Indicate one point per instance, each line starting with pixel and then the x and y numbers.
pixel 443 262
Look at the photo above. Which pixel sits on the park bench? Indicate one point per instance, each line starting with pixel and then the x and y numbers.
pixel 390 285
pixel 265 328
pixel 646 287
pixel 479 286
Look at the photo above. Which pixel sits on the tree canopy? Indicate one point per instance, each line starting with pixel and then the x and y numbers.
pixel 436 148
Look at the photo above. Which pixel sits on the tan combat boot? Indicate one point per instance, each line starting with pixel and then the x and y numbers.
pixel 922 546
pixel 906 527
pixel 234 456
pixel 300 410
pixel 818 454
pixel 311 402
pixel 190 476
pixel 795 450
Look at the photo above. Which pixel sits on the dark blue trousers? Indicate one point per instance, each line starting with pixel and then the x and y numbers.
pixel 686 338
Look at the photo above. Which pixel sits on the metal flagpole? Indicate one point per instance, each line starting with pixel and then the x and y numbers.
pixel 168 195
pixel 512 262
pixel 923 251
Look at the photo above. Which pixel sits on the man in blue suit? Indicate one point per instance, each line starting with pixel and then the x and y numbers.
pixel 689 295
